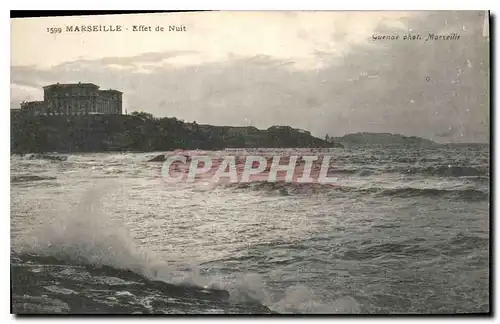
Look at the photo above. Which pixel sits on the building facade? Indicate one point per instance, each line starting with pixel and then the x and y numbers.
pixel 33 107
pixel 75 99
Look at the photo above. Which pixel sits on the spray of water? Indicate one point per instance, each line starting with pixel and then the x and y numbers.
pixel 87 235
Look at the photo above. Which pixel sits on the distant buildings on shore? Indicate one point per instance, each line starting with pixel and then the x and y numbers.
pixel 248 130
pixel 75 99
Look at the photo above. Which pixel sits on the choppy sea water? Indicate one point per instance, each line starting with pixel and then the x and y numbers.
pixel 405 230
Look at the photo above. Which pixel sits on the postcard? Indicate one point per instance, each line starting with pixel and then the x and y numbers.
pixel 251 162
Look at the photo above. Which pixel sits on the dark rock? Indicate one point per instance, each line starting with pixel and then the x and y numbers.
pixel 159 158
pixel 47 157
pixel 25 178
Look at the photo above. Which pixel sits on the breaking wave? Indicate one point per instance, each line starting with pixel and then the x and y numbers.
pixel 89 237
pixel 290 188
pixel 464 194
pixel 444 170
pixel 455 245
pixel 101 250
pixel 436 171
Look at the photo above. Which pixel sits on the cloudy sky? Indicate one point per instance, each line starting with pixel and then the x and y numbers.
pixel 320 71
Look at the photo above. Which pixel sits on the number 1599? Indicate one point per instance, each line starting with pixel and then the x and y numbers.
pixel 54 30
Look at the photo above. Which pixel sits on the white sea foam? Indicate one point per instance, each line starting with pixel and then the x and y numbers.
pixel 91 237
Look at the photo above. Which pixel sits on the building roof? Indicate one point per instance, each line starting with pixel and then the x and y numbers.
pixel 69 85
pixel 111 90
pixel 79 84
pixel 35 101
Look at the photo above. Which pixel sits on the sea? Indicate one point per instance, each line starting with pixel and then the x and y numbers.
pixel 404 230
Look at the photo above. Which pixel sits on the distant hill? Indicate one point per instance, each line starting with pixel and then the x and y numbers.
pixel 382 139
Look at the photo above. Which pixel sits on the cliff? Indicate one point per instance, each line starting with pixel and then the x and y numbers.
pixel 142 132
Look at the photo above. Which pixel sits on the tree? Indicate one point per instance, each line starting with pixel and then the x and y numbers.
pixel 327 138
pixel 143 115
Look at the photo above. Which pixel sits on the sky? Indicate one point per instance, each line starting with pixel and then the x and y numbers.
pixel 320 71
